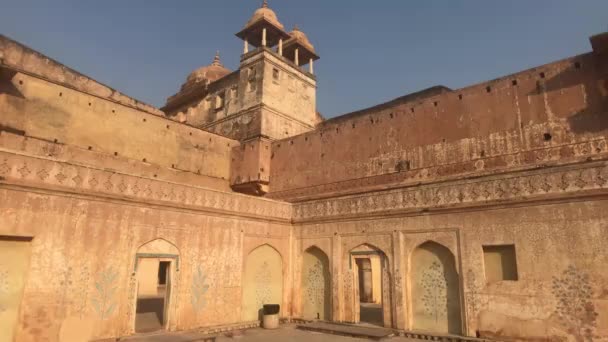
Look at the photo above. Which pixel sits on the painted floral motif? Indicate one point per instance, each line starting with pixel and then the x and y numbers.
pixel 575 307
pixel 472 294
pixel 83 290
pixel 4 286
pixel 262 282
pixel 199 289
pixel 104 300
pixel 315 281
pixel 435 288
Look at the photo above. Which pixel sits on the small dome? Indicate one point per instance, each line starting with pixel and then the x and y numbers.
pixel 301 38
pixel 210 73
pixel 265 12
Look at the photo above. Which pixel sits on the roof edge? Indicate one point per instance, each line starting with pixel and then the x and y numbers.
pixel 19 57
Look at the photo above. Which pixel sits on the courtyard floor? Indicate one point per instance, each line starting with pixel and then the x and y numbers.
pixel 287 333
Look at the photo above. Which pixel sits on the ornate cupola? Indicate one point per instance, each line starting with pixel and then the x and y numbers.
pixel 263 29
pixel 197 84
pixel 207 74
pixel 299 49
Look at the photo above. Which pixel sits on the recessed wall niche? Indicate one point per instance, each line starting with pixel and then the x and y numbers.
pixel 500 263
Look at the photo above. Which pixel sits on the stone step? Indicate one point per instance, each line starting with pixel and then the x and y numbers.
pixel 348 330
pixel 378 333
pixel 441 338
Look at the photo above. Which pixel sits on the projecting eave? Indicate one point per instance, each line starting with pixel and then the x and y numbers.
pixel 253 33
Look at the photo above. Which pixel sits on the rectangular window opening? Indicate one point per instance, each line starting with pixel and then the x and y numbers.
pixel 500 263
pixel 221 98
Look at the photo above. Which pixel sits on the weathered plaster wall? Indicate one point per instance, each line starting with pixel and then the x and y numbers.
pixel 215 102
pixel 250 163
pixel 502 124
pixel 96 131
pixel 66 266
pixel 289 91
pixel 560 256
pixel 15 256
pixel 20 57
pixel 87 226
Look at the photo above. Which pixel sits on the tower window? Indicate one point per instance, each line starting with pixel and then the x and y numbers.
pixel 276 74
pixel 251 79
pixel 219 101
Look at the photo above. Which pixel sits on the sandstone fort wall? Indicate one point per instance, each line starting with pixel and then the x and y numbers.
pixel 489 127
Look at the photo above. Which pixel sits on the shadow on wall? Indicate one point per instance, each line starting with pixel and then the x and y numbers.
pixel 591 119
pixel 150 314
pixel 6 84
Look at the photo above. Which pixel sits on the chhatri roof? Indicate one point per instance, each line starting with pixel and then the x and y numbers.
pixel 264 13
pixel 299 41
pixel 263 18
pixel 301 38
pixel 209 73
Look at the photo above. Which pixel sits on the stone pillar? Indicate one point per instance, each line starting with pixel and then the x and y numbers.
pixel 337 281
pixel 281 47
pixel 246 47
pixel 264 36
pixel 297 57
pixel 311 67
pixel 399 298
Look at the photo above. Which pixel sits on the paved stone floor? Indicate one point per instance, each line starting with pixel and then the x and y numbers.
pixel 371 314
pixel 287 333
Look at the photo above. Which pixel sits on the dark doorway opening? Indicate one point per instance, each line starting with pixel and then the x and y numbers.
pixel 163 267
pixel 154 289
pixel 370 288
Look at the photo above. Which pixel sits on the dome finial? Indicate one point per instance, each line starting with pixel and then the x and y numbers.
pixel 265 4
pixel 296 28
pixel 216 59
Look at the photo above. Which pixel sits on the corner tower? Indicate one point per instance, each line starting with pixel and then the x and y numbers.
pixel 279 92
pixel 271 96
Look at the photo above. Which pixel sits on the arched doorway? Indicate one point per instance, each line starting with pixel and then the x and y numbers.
pixel 435 290
pixel 371 286
pixel 262 281
pixel 156 263
pixel 316 285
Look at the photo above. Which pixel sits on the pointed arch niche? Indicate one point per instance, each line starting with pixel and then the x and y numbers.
pixel 316 285
pixel 435 290
pixel 262 281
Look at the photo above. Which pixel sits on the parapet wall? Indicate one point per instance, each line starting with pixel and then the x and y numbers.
pixel 20 57
pixel 39 117
pixel 541 115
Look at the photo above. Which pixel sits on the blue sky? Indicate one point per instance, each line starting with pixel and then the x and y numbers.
pixel 371 50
